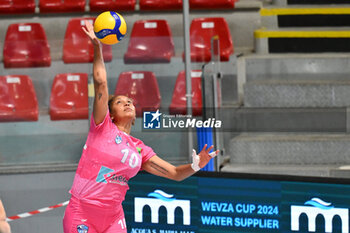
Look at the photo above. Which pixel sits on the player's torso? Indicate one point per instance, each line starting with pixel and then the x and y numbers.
pixel 116 150
pixel 110 158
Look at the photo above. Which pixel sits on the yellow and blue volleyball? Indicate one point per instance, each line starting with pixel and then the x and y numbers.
pixel 110 27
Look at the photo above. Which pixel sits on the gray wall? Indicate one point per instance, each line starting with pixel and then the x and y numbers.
pixel 27 192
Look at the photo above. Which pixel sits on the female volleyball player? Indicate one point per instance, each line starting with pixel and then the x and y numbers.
pixel 111 157
pixel 4 226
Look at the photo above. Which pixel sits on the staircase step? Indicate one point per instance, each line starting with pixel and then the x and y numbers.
pixel 290 149
pixel 309 2
pixel 238 119
pixel 297 93
pixel 314 16
pixel 342 171
pixel 319 66
pixel 296 170
pixel 307 40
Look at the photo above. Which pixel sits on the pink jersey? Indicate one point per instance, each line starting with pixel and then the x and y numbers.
pixel 110 158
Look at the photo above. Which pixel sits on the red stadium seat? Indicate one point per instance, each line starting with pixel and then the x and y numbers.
pixel 60 6
pixel 210 4
pixel 202 31
pixel 112 5
pixel 77 47
pixel 26 46
pixel 18 100
pixel 160 4
pixel 69 97
pixel 142 87
pixel 178 102
pixel 150 42
pixel 17 6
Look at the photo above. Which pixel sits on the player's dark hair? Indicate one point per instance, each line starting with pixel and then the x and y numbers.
pixel 111 99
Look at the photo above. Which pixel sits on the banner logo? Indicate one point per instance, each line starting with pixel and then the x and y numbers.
pixel 107 175
pixel 159 199
pixel 319 207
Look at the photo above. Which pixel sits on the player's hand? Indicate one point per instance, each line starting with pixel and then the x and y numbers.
pixel 205 156
pixel 89 31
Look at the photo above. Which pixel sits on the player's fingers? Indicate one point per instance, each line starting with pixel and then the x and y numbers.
pixel 209 149
pixel 204 147
pixel 84 29
pixel 215 153
pixel 88 24
pixel 194 153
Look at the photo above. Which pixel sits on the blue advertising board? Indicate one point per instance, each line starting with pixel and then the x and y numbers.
pixel 222 202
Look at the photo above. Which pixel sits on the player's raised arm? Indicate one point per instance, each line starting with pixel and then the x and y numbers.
pixel 99 75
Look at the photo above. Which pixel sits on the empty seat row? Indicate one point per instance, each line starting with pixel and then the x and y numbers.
pixel 60 6
pixel 194 4
pixel 69 95
pixel 150 41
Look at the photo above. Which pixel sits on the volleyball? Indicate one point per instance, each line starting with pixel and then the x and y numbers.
pixel 110 27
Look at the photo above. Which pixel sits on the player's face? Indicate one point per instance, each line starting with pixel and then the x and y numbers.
pixel 123 108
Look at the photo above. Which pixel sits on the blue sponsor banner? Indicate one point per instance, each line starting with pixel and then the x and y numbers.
pixel 224 202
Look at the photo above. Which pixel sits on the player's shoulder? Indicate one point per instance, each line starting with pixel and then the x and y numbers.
pixel 136 140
